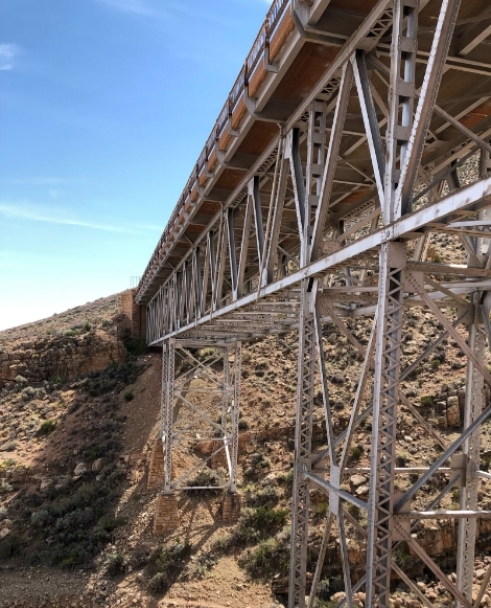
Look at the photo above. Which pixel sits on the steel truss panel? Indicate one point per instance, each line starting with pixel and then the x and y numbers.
pixel 200 405
pixel 337 222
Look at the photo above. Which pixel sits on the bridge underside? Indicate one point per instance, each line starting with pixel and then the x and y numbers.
pixel 360 207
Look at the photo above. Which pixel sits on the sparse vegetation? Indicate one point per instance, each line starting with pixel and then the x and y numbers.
pixel 73 524
pixel 115 564
pixel 270 557
pixel 47 427
pixel 166 564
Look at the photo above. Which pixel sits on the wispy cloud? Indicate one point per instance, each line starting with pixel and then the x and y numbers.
pixel 166 11
pixel 137 7
pixel 36 181
pixel 8 55
pixel 56 215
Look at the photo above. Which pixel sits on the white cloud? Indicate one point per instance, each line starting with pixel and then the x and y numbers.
pixel 53 215
pixel 8 55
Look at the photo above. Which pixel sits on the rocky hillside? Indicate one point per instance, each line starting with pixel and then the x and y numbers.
pixel 79 413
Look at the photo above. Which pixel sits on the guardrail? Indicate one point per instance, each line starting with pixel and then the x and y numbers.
pixel 261 43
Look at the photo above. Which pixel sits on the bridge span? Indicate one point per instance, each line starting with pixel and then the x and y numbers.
pixel 332 176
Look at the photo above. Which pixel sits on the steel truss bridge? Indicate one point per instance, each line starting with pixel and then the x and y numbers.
pixel 331 170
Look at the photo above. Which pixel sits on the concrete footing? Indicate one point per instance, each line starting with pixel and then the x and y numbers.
pixel 156 468
pixel 230 508
pixel 166 517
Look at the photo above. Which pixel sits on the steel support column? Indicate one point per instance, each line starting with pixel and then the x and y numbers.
pixel 474 405
pixel 385 406
pixel 167 418
pixel 303 446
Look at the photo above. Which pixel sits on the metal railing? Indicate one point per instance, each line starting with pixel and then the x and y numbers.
pixel 273 18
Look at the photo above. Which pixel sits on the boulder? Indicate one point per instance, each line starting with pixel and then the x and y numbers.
pixel 80 469
pixel 97 465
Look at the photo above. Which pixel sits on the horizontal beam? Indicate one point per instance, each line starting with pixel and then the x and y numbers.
pixel 444 208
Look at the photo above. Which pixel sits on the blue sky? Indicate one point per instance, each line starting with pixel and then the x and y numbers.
pixel 105 106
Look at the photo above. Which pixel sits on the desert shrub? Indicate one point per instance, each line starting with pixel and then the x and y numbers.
pixel 42 518
pixel 323 589
pixel 28 393
pixel 222 543
pixel 5 487
pixel 47 427
pixel 165 565
pixel 270 556
pixel 257 463
pixel 71 333
pixel 356 452
pixel 10 546
pixel 139 559
pixel 322 508
pixel 265 519
pixel 267 496
pixel 159 583
pixel 427 401
pixel 256 524
pixel 115 564
pixel 203 564
pixel 129 396
pixel 135 346
pixel 207 478
pixel 243 424
pixel 286 479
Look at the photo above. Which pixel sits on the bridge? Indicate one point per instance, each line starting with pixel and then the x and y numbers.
pixel 334 167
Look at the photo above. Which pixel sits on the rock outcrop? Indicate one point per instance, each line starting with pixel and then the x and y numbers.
pixel 62 357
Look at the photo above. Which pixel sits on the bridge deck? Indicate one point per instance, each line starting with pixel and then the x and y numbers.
pixel 286 69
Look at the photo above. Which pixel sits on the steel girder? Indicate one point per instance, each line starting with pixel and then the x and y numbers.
pixel 336 223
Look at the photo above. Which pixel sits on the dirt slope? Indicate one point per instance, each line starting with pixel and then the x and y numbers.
pixel 74 456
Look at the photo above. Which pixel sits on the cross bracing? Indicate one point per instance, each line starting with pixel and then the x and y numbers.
pixel 338 164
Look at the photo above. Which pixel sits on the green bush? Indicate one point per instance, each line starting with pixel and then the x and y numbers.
pixel 356 452
pixel 47 427
pixel 427 401
pixel 264 497
pixel 28 393
pixel 115 564
pixel 135 346
pixel 159 583
pixel 323 589
pixel 5 487
pixel 271 556
pixel 207 478
pixel 10 546
pixel 256 465
pixel 256 524
pixel 166 564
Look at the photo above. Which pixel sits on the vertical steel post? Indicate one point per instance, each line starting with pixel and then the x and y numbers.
pixel 303 446
pixel 234 413
pixel 385 406
pixel 474 404
pixel 168 372
pixel 401 95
